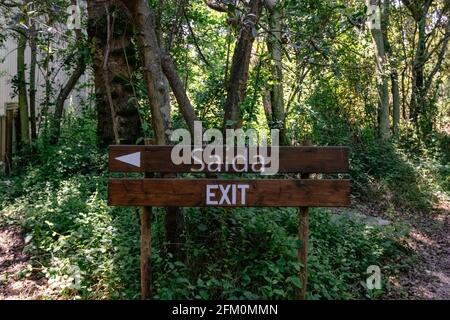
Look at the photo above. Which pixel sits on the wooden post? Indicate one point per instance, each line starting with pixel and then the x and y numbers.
pixel 146 245
pixel 303 236
pixel 146 253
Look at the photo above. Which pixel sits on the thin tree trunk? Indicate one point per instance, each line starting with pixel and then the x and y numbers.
pixel 418 73
pixel 22 89
pixel 395 101
pixel 48 86
pixel 32 87
pixel 237 85
pixel 405 118
pixel 68 87
pixel 440 56
pixel 267 105
pixel 65 92
pixel 419 11
pixel 62 97
pixel 179 91
pixel 383 81
pixel 274 44
pixel 393 69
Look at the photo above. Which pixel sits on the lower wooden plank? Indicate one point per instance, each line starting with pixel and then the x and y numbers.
pixel 228 193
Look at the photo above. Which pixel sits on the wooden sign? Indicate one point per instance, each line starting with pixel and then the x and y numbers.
pixel 291 160
pixel 201 192
pixel 229 193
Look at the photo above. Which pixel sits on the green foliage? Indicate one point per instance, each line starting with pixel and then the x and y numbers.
pixel 253 255
pixel 91 251
pixel 88 250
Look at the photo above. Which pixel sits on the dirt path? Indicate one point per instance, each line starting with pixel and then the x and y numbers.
pixel 15 282
pixel 430 238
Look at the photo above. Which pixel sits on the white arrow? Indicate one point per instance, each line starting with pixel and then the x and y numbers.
pixel 134 159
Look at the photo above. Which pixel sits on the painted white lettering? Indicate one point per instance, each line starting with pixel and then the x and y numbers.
pixel 243 188
pixel 225 194
pixel 210 194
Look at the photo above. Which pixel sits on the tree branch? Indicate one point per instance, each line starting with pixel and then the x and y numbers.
pixel 178 90
pixel 216 6
pixel 202 56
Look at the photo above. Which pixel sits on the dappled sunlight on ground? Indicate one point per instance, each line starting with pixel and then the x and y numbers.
pixel 430 238
pixel 419 238
pixel 15 282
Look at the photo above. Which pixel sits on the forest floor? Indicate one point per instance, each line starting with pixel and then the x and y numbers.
pixel 430 239
pixel 428 279
pixel 15 282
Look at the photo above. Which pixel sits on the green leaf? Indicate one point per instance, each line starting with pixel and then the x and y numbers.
pixel 296 282
pixel 204 294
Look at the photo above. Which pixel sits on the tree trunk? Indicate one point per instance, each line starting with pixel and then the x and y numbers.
pixel 179 91
pixel 395 91
pixel 237 85
pixel 418 72
pixel 113 62
pixel 274 44
pixel 48 85
pixel 267 105
pixel 158 93
pixel 395 100
pixel 68 87
pixel 419 11
pixel 62 97
pixel 32 88
pixel 441 53
pixel 22 89
pixel 65 92
pixel 382 80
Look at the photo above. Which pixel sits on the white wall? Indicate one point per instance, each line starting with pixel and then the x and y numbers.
pixel 8 69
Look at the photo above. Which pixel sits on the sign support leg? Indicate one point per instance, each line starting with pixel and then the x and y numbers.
pixel 146 244
pixel 303 235
pixel 146 252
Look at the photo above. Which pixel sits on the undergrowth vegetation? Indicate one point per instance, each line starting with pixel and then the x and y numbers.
pixel 89 250
pixel 370 75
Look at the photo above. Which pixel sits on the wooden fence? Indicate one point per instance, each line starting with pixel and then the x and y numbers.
pixel 2 138
pixel 7 135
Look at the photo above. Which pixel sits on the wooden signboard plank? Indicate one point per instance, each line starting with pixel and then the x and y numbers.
pixel 124 158
pixel 229 193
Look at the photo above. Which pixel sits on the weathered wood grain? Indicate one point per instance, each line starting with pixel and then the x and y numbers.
pixel 292 160
pixel 146 253
pixel 260 193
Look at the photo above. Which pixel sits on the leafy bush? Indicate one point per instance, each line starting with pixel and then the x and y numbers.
pixel 89 250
